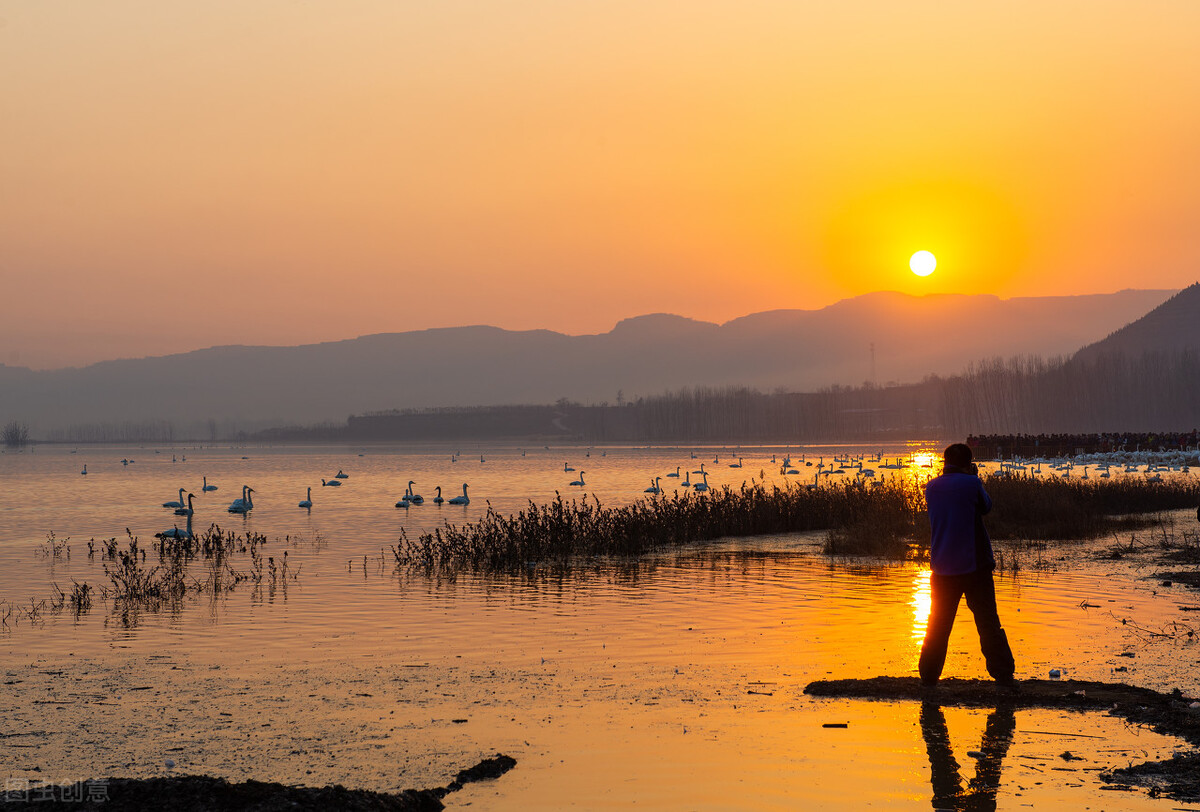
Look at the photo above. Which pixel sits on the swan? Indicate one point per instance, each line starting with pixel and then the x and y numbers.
pixel 84 471
pixel 699 470
pixel 461 500
pixel 579 482
pixel 654 486
pixel 403 501
pixel 245 504
pixel 240 501
pixel 737 464
pixel 437 500
pixel 567 468
pixel 208 487
pixel 414 498
pixel 702 486
pixel 178 503
pixel 185 511
pixel 307 501
pixel 676 474
pixel 331 483
pixel 687 483
pixel 176 533
pixel 340 475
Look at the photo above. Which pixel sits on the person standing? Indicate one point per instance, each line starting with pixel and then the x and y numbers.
pixel 962 562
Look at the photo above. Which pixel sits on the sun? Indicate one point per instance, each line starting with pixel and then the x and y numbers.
pixel 922 263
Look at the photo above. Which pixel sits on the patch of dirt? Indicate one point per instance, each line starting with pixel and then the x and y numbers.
pixel 198 793
pixel 1189 579
pixel 1168 714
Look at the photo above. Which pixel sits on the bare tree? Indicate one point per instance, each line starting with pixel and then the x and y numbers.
pixel 15 435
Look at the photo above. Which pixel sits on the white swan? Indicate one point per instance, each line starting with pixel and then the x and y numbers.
pixel 579 482
pixel 208 487
pixel 699 470
pixel 414 498
pixel 567 469
pixel 185 511
pixel 245 504
pixel 331 483
pixel 307 501
pixel 403 501
pixel 702 486
pixel 340 475
pixel 737 464
pixel 461 500
pixel 655 486
pixel 176 533
pixel 437 500
pixel 84 471
pixel 178 503
pixel 676 474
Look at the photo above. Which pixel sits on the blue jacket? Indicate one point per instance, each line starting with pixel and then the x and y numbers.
pixel 960 544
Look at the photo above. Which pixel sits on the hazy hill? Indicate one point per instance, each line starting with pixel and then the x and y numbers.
pixel 799 350
pixel 1174 325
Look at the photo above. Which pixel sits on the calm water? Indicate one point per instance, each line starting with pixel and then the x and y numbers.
pixel 675 682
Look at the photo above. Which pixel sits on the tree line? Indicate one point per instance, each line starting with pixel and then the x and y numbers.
pixel 1025 395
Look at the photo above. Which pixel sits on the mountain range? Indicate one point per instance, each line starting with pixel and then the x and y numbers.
pixel 1172 326
pixel 881 337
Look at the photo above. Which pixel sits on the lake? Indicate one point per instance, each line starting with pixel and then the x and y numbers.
pixel 675 681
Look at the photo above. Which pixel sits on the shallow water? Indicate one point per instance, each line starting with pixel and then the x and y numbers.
pixel 675 682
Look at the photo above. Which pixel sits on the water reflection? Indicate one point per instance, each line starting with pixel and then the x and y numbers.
pixel 947 782
pixel 922 602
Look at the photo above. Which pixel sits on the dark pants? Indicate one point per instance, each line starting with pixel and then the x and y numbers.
pixel 981 600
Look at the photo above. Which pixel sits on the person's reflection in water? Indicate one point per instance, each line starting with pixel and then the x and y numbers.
pixel 980 794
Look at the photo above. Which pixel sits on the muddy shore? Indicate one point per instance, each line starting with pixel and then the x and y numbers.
pixel 198 793
pixel 1170 714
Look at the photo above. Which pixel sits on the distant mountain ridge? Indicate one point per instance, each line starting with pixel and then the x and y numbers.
pixel 1172 326
pixel 882 336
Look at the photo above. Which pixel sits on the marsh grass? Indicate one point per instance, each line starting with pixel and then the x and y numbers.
pixel 1028 507
pixel 563 532
pixel 212 562
pixel 886 519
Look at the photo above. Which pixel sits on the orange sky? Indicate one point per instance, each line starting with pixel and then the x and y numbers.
pixel 175 176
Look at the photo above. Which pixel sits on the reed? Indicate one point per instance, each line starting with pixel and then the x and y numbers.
pixel 212 562
pixel 884 519
pixel 1028 507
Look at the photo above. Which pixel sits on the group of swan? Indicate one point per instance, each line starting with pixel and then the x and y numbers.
pixel 411 498
pixel 245 504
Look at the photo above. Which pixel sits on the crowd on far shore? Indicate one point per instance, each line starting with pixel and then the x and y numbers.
pixel 1058 445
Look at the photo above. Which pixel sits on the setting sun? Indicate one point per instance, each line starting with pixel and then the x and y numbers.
pixel 922 263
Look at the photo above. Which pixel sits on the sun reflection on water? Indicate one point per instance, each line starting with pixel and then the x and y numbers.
pixel 922 601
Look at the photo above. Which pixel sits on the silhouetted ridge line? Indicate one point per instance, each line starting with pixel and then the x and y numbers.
pixel 1173 326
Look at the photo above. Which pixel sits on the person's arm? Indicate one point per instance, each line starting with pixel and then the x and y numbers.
pixel 985 501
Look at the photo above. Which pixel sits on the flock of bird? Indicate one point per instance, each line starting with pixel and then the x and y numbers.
pixel 245 503
pixel 853 465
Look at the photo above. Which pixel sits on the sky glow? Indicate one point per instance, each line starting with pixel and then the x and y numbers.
pixel 176 177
